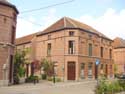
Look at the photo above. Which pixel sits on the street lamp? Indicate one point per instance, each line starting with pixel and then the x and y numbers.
pixel 54 74
pixel 96 69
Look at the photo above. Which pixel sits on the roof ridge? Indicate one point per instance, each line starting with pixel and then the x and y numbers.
pixel 64 21
pixel 68 19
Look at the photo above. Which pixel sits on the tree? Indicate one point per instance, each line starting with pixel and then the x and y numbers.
pixel 47 67
pixel 19 61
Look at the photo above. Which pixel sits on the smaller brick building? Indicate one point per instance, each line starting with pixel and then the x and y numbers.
pixel 119 54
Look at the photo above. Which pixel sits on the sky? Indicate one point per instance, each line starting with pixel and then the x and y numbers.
pixel 106 16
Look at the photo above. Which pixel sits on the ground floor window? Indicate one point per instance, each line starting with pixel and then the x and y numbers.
pixel 82 69
pixel 90 70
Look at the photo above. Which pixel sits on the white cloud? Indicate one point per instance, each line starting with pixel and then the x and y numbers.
pixel 112 23
pixel 25 27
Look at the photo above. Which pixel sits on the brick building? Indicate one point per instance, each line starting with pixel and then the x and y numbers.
pixel 8 16
pixel 119 54
pixel 74 47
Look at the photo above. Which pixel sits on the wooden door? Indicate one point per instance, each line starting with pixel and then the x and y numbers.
pixel 71 71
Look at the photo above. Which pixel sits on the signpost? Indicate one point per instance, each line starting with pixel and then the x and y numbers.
pixel 96 69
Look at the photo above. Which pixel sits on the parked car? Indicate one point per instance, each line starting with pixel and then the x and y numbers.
pixel 122 76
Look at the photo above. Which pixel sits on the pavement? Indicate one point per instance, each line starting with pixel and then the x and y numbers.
pixel 44 87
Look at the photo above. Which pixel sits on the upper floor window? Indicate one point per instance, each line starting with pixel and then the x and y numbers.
pixel 90 49
pixel 101 51
pixel 110 53
pixel 90 36
pixel 71 49
pixel 49 37
pixel 71 33
pixel 49 49
pixel 13 35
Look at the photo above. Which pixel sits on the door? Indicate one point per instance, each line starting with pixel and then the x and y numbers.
pixel 71 71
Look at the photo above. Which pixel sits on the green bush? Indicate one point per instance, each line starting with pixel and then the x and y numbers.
pixel 58 80
pixel 50 78
pixel 108 87
pixel 32 79
pixel 44 76
pixel 122 83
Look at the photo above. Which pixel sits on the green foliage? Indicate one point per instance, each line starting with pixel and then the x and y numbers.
pixel 122 83
pixel 32 79
pixel 21 71
pixel 19 61
pixel 56 79
pixel 44 76
pixel 108 87
pixel 50 78
pixel 47 67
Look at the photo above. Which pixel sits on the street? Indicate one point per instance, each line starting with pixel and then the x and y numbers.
pixel 85 87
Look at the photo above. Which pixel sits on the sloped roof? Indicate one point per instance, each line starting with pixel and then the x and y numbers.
pixel 119 43
pixel 66 22
pixel 25 39
pixel 6 3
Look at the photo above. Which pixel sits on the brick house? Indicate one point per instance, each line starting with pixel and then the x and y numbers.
pixel 8 16
pixel 74 47
pixel 119 54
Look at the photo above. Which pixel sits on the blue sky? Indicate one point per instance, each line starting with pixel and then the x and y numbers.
pixel 107 16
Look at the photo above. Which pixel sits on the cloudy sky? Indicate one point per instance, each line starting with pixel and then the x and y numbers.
pixel 106 16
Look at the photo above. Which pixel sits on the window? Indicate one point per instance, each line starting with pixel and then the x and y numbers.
pixel 13 35
pixel 110 53
pixel 71 33
pixel 90 70
pixel 101 66
pixel 90 49
pixel 82 71
pixel 49 37
pixel 71 47
pixel 49 49
pixel 90 36
pixel 101 52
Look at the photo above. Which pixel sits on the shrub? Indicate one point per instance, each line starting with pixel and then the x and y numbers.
pixel 32 79
pixel 122 83
pixel 108 87
pixel 58 80
pixel 44 76
pixel 50 78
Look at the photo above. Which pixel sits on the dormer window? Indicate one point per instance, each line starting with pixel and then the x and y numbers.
pixel 71 33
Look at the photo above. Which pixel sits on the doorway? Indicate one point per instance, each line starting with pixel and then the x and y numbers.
pixel 71 67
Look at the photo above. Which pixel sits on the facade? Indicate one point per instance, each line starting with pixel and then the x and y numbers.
pixel 8 16
pixel 74 48
pixel 119 55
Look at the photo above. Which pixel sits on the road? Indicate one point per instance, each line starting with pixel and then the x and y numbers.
pixel 86 87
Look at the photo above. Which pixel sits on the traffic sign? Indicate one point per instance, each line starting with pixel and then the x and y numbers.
pixel 97 62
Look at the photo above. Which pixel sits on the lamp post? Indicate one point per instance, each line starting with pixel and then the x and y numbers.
pixel 54 80
pixel 96 69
